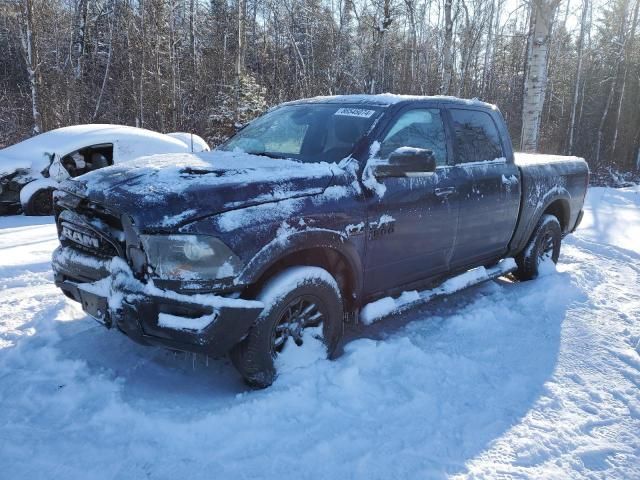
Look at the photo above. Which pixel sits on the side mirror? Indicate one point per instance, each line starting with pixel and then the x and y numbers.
pixel 405 161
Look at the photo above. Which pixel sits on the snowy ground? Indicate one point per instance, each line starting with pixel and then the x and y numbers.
pixel 533 380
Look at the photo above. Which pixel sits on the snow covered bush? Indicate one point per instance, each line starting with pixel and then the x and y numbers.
pixel 223 120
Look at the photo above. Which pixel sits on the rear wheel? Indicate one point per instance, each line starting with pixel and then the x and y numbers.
pixel 543 246
pixel 40 203
pixel 302 305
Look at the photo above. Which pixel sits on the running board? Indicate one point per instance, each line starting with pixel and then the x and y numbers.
pixel 374 311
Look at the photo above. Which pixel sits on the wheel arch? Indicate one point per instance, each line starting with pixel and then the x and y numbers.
pixel 555 202
pixel 27 191
pixel 560 209
pixel 327 249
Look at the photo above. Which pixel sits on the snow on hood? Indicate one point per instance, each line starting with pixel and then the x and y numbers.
pixel 163 190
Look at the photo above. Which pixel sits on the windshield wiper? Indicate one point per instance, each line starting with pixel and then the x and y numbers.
pixel 267 154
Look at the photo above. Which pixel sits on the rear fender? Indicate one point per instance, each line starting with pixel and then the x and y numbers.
pixel 524 234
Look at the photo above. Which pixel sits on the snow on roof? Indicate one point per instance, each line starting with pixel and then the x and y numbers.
pixel 386 99
pixel 191 139
pixel 32 153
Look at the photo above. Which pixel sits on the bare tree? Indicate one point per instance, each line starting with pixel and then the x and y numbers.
pixel 542 13
pixel 31 62
pixel 447 45
pixel 576 91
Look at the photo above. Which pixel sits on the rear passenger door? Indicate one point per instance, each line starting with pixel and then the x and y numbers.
pixel 489 192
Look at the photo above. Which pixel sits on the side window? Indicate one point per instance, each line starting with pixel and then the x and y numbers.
pixel 420 128
pixel 476 136
pixel 87 159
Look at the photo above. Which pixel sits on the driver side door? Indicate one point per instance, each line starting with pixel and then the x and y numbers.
pixel 412 225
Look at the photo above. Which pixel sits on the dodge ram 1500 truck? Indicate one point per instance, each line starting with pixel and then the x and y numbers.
pixel 308 214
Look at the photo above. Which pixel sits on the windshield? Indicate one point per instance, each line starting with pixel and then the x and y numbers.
pixel 306 132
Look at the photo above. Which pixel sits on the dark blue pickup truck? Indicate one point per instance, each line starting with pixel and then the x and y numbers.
pixel 309 215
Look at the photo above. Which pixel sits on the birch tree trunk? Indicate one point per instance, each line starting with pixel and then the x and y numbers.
pixel 79 27
pixel 576 92
pixel 27 41
pixel 447 60
pixel 535 84
pixel 239 57
pixel 488 52
pixel 105 77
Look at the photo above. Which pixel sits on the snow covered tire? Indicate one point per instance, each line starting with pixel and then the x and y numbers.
pixel 40 203
pixel 545 240
pixel 254 357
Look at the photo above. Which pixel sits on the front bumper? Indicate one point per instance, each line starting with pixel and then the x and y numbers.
pixel 138 313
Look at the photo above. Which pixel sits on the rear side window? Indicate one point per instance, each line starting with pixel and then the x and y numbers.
pixel 476 136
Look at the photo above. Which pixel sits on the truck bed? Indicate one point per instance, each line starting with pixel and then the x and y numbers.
pixel 544 177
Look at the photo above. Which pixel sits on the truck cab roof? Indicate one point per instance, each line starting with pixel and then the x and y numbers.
pixel 388 99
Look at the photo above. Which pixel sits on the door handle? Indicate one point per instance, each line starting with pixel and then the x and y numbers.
pixel 445 192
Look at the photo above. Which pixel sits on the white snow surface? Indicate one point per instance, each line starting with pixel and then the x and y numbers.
pixel 386 99
pixel 505 380
pixel 184 323
pixel 162 173
pixel 541 158
pixel 194 143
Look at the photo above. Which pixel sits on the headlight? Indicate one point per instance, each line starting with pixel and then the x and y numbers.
pixel 190 257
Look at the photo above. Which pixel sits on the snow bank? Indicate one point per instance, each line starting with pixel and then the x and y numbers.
pixel 522 380
pixel 612 217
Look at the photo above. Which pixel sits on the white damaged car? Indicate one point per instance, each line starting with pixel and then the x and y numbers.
pixel 31 170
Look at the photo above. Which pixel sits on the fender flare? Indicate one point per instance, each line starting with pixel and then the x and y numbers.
pixel 557 193
pixel 30 188
pixel 298 241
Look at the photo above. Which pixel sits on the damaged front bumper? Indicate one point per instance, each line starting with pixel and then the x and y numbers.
pixel 108 291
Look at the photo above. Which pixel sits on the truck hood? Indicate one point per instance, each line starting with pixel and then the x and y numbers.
pixel 165 191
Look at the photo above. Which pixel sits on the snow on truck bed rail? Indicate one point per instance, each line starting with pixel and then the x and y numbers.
pixel 542 158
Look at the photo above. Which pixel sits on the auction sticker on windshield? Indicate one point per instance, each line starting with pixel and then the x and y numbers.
pixel 355 112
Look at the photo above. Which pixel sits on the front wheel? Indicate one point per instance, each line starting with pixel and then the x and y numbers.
pixel 302 305
pixel 543 247
pixel 39 203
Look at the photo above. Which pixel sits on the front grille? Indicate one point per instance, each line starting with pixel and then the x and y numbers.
pixel 80 237
pixel 90 228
